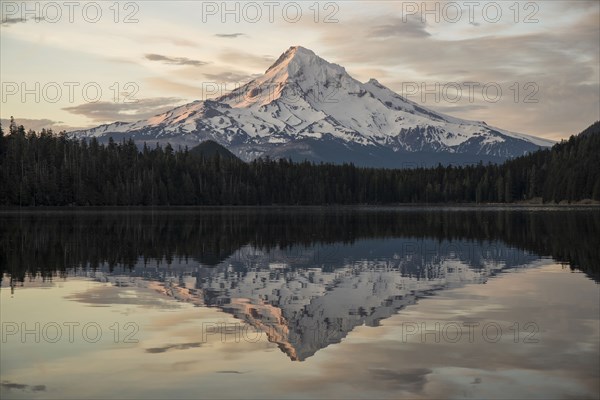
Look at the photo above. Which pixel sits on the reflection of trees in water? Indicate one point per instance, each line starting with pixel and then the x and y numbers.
pixel 46 244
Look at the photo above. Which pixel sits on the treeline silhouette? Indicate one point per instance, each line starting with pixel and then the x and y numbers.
pixel 45 169
pixel 34 243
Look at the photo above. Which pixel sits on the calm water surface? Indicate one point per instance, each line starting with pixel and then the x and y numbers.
pixel 300 303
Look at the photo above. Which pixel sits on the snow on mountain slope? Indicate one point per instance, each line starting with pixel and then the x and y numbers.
pixel 306 107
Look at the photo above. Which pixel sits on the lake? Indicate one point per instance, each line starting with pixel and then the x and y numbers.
pixel 300 303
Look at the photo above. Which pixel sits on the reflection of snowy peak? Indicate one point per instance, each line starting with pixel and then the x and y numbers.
pixel 304 107
pixel 306 298
pixel 305 310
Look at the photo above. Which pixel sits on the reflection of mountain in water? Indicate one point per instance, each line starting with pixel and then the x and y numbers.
pixel 305 277
pixel 305 309
pixel 306 298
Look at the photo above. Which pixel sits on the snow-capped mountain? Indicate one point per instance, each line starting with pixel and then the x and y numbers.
pixel 304 107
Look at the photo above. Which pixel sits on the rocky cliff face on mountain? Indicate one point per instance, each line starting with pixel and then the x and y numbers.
pixel 304 107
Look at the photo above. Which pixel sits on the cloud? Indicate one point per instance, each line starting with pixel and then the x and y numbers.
pixel 237 57
pixel 103 111
pixel 229 35
pixel 175 88
pixel 12 21
pixel 459 108
pixel 122 60
pixel 39 124
pixel 231 77
pixel 398 27
pixel 173 40
pixel 175 60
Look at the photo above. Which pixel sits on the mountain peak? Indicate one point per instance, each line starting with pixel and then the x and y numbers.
pixel 297 55
pixel 301 50
pixel 300 62
pixel 295 74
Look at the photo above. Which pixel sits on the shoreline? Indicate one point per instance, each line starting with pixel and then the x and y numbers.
pixel 5 210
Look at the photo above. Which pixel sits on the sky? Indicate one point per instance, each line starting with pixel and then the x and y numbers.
pixel 525 66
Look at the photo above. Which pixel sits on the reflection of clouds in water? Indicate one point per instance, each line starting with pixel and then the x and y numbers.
pixel 184 366
pixel 229 372
pixel 182 346
pixel 108 295
pixel 20 386
pixel 507 384
pixel 412 380
pixel 370 362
